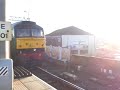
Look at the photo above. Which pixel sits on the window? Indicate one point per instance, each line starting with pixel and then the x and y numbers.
pixel 36 32
pixel 23 33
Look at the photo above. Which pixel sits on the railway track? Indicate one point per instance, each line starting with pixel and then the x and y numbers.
pixel 20 72
pixel 51 73
pixel 55 81
pixel 84 80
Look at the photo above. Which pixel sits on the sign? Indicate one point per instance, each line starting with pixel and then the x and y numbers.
pixel 5 31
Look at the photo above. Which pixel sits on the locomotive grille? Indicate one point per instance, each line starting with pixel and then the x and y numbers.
pixel 3 71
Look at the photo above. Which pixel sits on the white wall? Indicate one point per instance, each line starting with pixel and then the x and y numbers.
pixel 70 40
pixel 92 46
pixel 78 41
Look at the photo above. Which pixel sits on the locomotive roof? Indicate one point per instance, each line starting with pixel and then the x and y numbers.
pixel 72 30
pixel 22 23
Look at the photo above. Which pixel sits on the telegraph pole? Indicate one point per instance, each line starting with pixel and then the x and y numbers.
pixel 2 18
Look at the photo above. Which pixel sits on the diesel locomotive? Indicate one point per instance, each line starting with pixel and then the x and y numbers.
pixel 28 43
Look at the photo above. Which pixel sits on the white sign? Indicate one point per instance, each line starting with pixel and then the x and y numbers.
pixel 5 31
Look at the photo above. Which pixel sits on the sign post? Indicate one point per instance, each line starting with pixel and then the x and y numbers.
pixel 6 65
pixel 5 31
pixel 2 18
pixel 2 10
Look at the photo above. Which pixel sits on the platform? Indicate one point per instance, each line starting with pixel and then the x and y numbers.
pixel 31 83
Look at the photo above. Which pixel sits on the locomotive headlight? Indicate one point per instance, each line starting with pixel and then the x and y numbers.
pixel 20 52
pixel 34 50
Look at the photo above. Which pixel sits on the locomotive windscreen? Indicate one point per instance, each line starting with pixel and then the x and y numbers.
pixel 29 33
pixel 28 29
pixel 22 33
pixel 36 33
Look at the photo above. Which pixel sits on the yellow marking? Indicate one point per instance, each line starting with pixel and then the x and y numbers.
pixel 25 43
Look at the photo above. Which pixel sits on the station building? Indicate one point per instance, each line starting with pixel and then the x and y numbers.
pixel 62 43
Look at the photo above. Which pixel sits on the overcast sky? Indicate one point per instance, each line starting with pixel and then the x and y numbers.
pixel 100 17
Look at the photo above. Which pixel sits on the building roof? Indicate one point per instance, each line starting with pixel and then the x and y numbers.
pixel 72 30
